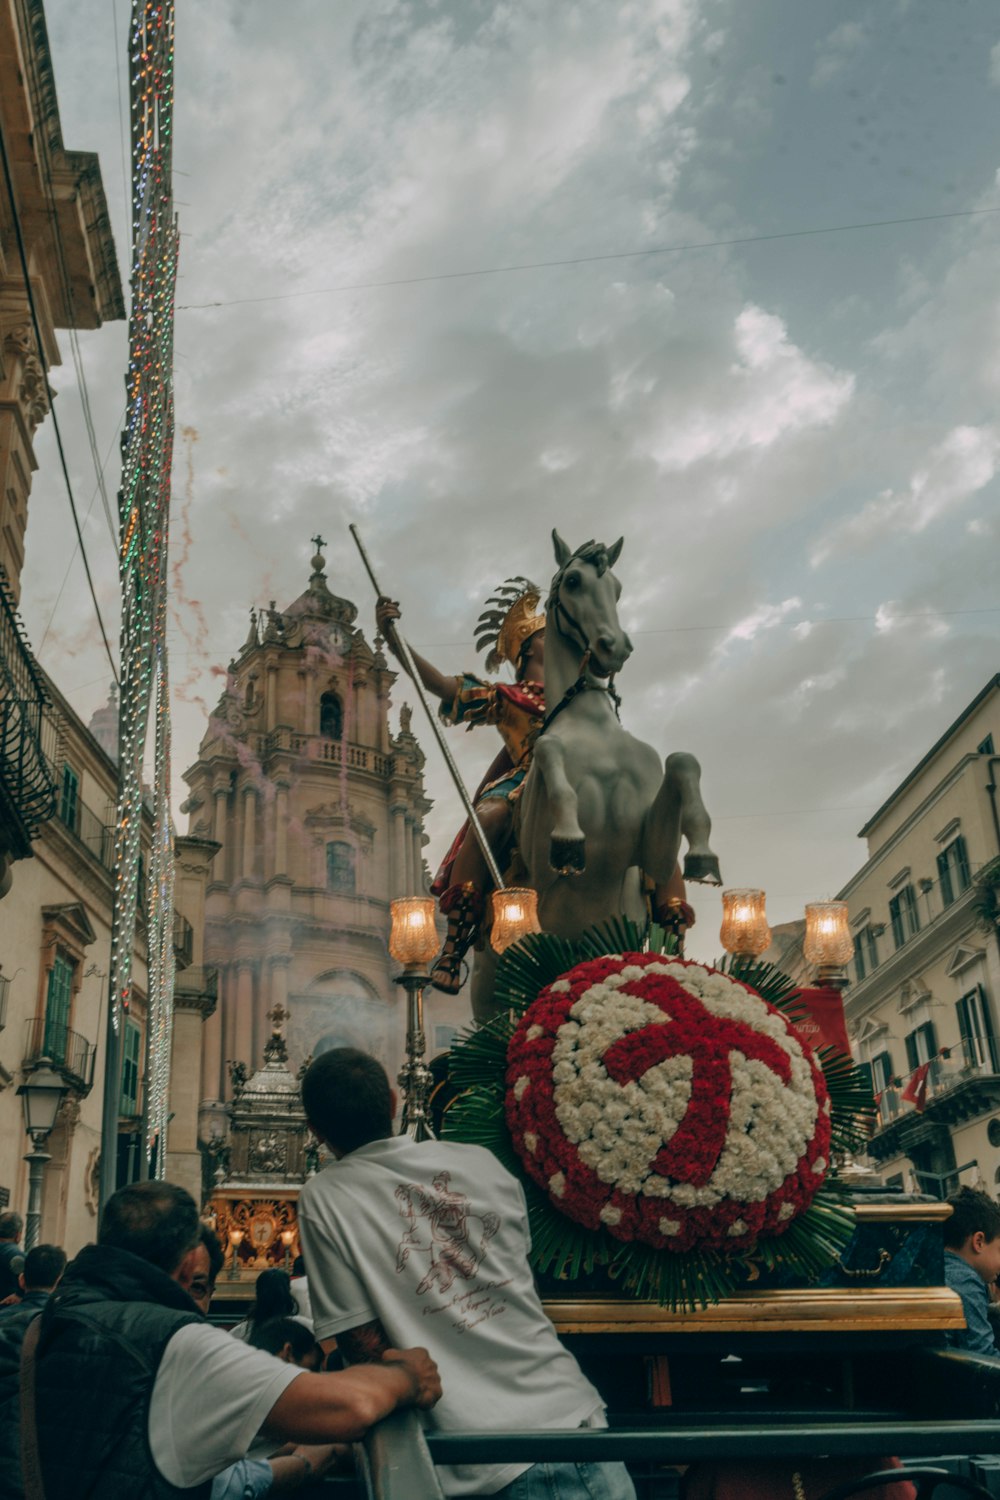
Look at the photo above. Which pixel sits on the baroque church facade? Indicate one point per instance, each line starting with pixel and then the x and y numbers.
pixel 318 809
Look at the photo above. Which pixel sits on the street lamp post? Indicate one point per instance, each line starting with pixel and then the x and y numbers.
pixel 41 1094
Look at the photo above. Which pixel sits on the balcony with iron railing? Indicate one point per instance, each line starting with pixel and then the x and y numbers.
pixel 68 1052
pixel 27 732
pixel 961 1083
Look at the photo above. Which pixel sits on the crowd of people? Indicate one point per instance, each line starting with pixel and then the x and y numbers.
pixel 113 1380
pixel 419 1293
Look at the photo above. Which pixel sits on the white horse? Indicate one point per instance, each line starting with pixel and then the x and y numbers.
pixel 598 809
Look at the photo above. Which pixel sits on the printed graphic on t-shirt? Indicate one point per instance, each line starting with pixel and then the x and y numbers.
pixel 444 1227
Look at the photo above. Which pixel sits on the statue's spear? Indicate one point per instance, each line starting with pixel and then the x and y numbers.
pixel 432 718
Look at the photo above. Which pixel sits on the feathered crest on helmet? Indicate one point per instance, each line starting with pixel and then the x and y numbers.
pixel 510 617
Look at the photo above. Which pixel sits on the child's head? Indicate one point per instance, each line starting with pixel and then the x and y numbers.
pixel 973 1231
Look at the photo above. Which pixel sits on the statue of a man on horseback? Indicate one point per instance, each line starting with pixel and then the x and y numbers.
pixel 584 811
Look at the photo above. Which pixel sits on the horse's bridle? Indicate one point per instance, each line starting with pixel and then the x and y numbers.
pixel 583 683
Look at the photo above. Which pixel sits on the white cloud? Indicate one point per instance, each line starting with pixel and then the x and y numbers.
pixel 764 617
pixel 958 467
pixel 836 52
pixel 771 391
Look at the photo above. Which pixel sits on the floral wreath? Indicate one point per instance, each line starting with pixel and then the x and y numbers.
pixel 666 1119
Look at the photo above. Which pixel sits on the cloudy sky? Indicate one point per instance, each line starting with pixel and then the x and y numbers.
pixel 462 272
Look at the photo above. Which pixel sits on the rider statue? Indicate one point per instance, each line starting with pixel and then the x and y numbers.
pixel 512 625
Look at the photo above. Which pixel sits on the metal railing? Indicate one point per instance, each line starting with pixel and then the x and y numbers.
pixel 27 727
pixel 66 1050
pixel 94 832
pixel 975 1057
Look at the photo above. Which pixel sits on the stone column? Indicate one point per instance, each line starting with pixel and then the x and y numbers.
pixel 249 832
pixel 212 1055
pixel 219 814
pixel 183 1157
pixel 398 881
pixel 244 1013
pixel 418 858
pixel 281 829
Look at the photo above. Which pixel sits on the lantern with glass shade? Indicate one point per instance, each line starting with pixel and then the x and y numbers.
pixel 235 1240
pixel 413 942
pixel 828 943
pixel 41 1093
pixel 744 932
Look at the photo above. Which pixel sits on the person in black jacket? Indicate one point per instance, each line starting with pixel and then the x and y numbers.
pixel 135 1394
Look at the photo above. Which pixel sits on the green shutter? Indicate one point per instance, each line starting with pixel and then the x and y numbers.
pixel 130 1068
pixel 58 1001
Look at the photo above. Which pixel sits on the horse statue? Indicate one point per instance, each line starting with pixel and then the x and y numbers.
pixel 599 809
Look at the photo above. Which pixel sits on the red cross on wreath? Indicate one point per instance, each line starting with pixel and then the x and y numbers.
pixel 667 1102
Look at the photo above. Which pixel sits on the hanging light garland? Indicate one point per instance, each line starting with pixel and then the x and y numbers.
pixel 144 513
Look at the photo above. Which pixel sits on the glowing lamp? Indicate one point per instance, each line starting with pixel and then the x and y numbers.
pixel 413 939
pixel 515 915
pixel 828 942
pixel 744 930
pixel 287 1237
pixel 235 1237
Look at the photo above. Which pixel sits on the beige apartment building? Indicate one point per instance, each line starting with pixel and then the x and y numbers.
pixel 923 1007
pixel 55 946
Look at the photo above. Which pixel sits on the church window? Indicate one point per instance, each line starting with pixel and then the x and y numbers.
pixel 340 874
pixel 331 717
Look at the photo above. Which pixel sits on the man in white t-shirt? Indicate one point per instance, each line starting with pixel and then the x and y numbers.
pixel 136 1394
pixel 432 1240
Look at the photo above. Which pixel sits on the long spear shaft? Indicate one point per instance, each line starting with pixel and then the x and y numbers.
pixel 456 774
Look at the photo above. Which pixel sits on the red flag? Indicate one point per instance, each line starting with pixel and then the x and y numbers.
pixel 915 1092
pixel 821 1019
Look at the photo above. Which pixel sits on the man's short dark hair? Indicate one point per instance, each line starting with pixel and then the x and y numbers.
pixel 275 1333
pixel 216 1258
pixel 971 1212
pixel 43 1267
pixel 157 1221
pixel 347 1098
pixel 11 1224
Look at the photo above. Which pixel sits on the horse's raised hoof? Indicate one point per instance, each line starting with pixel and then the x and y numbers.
pixel 703 869
pixel 568 856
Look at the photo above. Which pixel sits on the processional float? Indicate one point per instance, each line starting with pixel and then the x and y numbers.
pixel 684 1133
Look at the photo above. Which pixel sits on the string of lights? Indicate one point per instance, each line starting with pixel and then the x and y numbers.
pixel 143 511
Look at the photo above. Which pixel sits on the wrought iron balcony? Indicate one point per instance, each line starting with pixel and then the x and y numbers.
pixel 27 733
pixel 68 1052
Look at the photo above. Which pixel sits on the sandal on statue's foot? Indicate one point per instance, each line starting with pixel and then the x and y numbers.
pixel 463 906
pixel 446 975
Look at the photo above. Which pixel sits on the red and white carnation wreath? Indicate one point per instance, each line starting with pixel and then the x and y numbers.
pixel 667 1102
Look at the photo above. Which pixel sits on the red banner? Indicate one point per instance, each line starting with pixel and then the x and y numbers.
pixel 821 1022
pixel 915 1092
